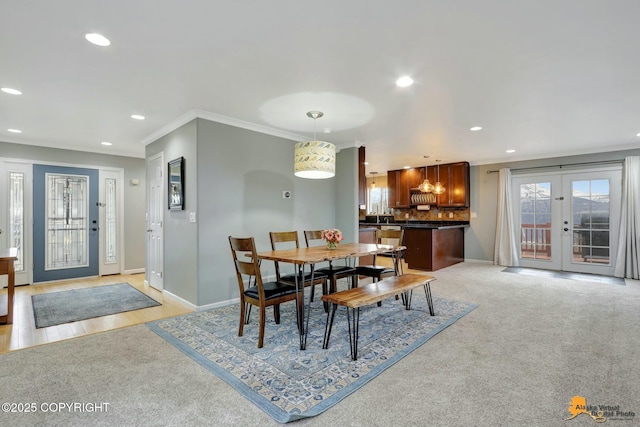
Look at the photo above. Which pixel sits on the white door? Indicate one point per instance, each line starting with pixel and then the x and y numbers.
pixel 568 221
pixel 15 216
pixel 110 213
pixel 155 216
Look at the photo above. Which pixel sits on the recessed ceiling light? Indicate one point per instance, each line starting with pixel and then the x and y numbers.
pixel 404 81
pixel 137 117
pixel 15 130
pixel 11 91
pixel 106 143
pixel 366 163
pixel 407 167
pixel 511 151
pixel 97 39
pixel 475 128
pixel 638 134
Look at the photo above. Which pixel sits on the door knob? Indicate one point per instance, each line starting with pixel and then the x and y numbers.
pixel 94 229
pixel 566 229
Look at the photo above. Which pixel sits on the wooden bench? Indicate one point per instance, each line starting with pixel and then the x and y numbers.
pixel 369 294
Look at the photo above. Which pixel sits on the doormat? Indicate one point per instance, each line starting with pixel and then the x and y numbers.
pixel 288 383
pixel 57 308
pixel 566 275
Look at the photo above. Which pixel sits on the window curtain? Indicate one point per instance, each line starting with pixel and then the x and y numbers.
pixel 628 259
pixel 505 248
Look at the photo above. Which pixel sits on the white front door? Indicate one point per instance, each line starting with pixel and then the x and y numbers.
pixel 15 216
pixel 155 217
pixel 568 221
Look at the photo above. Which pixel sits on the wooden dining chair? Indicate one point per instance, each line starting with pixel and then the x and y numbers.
pixel 377 272
pixel 282 238
pixel 333 272
pixel 261 294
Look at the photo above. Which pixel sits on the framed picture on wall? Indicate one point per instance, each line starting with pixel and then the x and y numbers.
pixel 176 184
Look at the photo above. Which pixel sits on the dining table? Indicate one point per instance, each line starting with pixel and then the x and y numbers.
pixel 310 256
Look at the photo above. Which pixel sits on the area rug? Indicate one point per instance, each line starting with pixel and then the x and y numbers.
pixel 290 384
pixel 57 308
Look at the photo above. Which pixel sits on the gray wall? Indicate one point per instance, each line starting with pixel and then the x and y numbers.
pixel 347 193
pixel 134 206
pixel 239 179
pixel 480 237
pixel 180 270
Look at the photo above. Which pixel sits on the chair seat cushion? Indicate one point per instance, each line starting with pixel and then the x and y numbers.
pixel 341 270
pixel 271 290
pixel 290 278
pixel 373 270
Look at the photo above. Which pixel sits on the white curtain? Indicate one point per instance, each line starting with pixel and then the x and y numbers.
pixel 505 249
pixel 628 259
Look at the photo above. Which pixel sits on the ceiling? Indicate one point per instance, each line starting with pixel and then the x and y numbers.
pixel 545 78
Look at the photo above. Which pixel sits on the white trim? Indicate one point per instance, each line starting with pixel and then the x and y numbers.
pixel 135 271
pixel 176 298
pixel 479 261
pixel 84 149
pixel 219 118
pixel 218 304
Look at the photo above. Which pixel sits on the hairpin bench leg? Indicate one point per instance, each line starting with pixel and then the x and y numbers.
pixel 353 331
pixel 327 329
pixel 427 292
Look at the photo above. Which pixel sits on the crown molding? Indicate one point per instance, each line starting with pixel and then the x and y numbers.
pixel 219 118
pixel 111 151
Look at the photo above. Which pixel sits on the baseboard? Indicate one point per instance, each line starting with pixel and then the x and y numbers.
pixel 134 271
pixel 179 299
pixel 218 304
pixel 478 261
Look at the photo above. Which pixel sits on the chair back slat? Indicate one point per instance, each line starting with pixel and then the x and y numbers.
pixel 282 237
pixel 245 259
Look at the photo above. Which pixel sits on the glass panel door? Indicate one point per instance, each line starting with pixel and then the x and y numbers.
pixel 536 212
pixel 591 227
pixel 568 221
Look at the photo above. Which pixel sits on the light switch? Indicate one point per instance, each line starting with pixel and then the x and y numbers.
pixel 450 214
pixel 192 217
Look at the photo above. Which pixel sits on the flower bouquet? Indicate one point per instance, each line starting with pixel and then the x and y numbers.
pixel 332 236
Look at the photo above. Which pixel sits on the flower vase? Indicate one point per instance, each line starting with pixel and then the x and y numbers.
pixel 331 245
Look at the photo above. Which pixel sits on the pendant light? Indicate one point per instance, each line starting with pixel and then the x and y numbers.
pixel 438 188
pixel 314 159
pixel 373 181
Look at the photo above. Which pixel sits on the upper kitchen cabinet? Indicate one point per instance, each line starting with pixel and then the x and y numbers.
pixel 400 182
pixel 455 179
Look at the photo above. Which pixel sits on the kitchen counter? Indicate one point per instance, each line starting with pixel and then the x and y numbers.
pixel 418 224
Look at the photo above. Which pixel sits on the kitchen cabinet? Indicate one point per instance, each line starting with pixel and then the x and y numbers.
pixel 362 178
pixel 455 179
pixel 431 249
pixel 399 184
pixel 366 235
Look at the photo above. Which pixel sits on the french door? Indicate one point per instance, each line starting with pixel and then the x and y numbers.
pixel 568 221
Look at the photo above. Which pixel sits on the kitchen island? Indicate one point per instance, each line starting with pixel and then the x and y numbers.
pixel 431 245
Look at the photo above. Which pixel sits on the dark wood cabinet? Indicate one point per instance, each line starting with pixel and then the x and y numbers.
pixel 399 184
pixel 432 249
pixel 362 178
pixel 455 179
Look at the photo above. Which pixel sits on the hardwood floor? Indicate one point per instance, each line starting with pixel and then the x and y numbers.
pixel 23 333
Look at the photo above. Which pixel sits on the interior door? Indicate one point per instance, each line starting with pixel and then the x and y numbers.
pixel 568 221
pixel 15 216
pixel 155 217
pixel 65 223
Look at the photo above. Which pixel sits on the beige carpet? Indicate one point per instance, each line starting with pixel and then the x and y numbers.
pixel 518 359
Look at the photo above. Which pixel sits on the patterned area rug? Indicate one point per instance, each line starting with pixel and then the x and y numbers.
pixel 56 308
pixel 290 384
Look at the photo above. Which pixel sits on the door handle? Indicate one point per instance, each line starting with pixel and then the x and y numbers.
pixel 149 230
pixel 94 229
pixel 566 229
